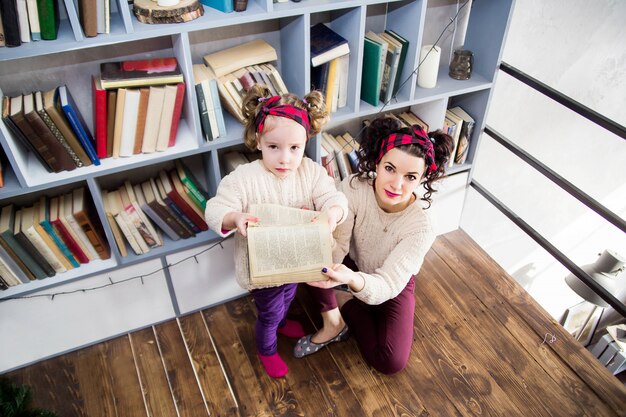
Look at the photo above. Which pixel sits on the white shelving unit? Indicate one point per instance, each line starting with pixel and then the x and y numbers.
pixel 72 59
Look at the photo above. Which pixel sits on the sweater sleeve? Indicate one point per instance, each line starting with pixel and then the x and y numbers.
pixel 405 260
pixel 325 194
pixel 343 232
pixel 229 197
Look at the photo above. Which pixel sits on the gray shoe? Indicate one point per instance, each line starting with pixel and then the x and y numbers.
pixel 306 347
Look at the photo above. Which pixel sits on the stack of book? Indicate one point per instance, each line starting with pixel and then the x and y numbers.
pixel 409 119
pixel 383 59
pixel 172 200
pixel 25 21
pixel 232 159
pixel 53 235
pixel 330 60
pixel 460 126
pixel 209 105
pixel 50 125
pixel 137 106
pixel 95 16
pixel 339 155
pixel 236 69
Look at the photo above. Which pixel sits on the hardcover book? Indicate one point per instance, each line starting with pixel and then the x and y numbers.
pixel 140 73
pixel 8 240
pixel 48 19
pixel 115 228
pixel 10 23
pixel 225 6
pixel 326 44
pixel 151 209
pixel 61 230
pixel 73 115
pixel 231 59
pixel 23 240
pixel 171 217
pixel 82 212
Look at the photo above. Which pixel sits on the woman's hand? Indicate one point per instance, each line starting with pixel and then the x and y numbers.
pixel 239 221
pixel 340 274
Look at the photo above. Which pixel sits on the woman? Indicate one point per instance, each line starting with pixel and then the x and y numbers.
pixel 387 234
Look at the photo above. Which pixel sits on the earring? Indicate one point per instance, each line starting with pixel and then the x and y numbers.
pixel 371 174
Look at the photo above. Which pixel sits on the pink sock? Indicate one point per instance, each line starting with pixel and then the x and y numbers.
pixel 274 365
pixel 292 329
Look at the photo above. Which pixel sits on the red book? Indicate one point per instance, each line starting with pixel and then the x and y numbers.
pixel 178 108
pixel 59 227
pixel 100 116
pixel 181 202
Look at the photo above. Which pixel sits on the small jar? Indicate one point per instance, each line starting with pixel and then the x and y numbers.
pixel 461 64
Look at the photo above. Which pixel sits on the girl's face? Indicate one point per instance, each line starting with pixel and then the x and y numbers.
pixel 398 174
pixel 282 145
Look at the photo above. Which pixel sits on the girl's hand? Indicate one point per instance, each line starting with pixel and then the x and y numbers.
pixel 340 274
pixel 334 215
pixel 239 221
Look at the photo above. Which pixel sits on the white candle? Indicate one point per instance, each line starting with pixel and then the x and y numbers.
pixel 167 3
pixel 429 59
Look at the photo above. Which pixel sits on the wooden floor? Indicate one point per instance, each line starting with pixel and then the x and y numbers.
pixel 478 351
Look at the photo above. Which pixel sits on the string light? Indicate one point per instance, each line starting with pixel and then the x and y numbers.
pixel 111 282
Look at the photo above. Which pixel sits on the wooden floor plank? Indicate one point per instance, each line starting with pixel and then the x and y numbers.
pixel 236 364
pixel 277 391
pixel 317 382
pixel 212 380
pixel 53 385
pixel 490 343
pixel 573 354
pixel 154 385
pixel 94 378
pixel 180 373
pixel 125 385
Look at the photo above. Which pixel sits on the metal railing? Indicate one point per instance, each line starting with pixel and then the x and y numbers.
pixel 568 187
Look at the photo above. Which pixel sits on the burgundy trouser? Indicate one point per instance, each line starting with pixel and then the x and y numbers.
pixel 384 332
pixel 271 305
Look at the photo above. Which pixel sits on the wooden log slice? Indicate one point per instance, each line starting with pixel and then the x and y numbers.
pixel 148 11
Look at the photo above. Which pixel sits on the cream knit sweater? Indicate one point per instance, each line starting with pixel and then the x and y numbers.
pixel 386 260
pixel 308 187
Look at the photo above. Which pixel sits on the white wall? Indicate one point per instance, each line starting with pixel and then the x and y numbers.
pixel 579 48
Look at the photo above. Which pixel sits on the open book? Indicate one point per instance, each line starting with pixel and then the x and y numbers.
pixel 285 246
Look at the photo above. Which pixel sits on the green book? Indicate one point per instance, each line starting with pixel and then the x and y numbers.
pixel 48 19
pixel 197 195
pixel 405 47
pixel 370 80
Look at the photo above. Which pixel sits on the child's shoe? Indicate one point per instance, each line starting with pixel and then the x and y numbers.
pixel 292 329
pixel 274 365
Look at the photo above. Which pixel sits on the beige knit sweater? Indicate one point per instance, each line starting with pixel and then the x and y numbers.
pixel 308 187
pixel 386 260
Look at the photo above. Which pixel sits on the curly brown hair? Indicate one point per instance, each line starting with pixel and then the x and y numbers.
pixel 315 107
pixel 380 128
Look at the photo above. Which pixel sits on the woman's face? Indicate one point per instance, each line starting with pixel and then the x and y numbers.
pixel 398 174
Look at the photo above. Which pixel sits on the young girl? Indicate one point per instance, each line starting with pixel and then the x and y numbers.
pixel 387 234
pixel 278 126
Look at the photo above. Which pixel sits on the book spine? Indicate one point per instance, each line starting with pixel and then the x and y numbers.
pixel 159 221
pixel 194 193
pixel 12 250
pixel 178 107
pixel 120 218
pixel 204 114
pixel 59 242
pixel 39 145
pixel 59 136
pixel 11 24
pixel 60 229
pixel 60 153
pixel 100 119
pixel 48 19
pixel 27 144
pixel 79 234
pixel 41 246
pixel 217 106
pixel 34 253
pixel 181 214
pixel 191 214
pixel 81 134
pixel 94 237
pixel 175 222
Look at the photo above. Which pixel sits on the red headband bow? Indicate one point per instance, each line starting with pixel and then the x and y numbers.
pixel 419 137
pixel 289 111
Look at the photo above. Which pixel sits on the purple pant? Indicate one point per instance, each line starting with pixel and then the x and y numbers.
pixel 384 333
pixel 271 305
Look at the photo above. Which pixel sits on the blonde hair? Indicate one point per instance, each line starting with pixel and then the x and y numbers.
pixel 313 103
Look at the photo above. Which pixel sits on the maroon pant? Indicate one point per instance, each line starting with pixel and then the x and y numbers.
pixel 384 332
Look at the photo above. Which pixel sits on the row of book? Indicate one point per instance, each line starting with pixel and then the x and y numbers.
pixel 330 61
pixel 209 104
pixel 172 202
pixel 28 20
pixel 339 155
pixel 459 125
pixel 50 125
pixel 383 59
pixel 53 235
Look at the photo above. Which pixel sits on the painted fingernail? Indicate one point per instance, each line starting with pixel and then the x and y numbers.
pixel 324 270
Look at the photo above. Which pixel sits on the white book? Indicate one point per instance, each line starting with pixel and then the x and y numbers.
pixel 153 117
pixel 100 21
pixel 22 17
pixel 33 20
pixel 165 124
pixel 8 275
pixel 77 232
pixel 343 68
pixel 28 227
pixel 208 98
pixel 217 105
pixel 129 122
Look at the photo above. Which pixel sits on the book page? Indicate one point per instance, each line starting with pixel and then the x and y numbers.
pixel 298 250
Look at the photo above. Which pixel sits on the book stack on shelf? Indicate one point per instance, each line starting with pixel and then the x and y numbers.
pixel 383 59
pixel 50 125
pixel 236 69
pixel 209 104
pixel 137 106
pixel 330 61
pixel 26 21
pixel 339 155
pixel 95 16
pixel 52 236
pixel 409 119
pixel 465 133
pixel 172 200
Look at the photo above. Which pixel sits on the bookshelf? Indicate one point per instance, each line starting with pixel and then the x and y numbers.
pixel 73 58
